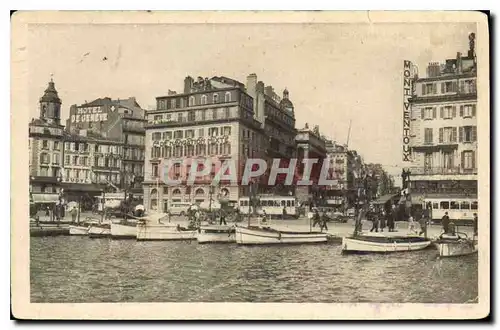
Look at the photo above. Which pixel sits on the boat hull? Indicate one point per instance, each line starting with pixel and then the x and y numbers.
pixel 216 234
pixel 456 249
pixel 78 230
pixel 99 231
pixel 163 233
pixel 377 244
pixel 121 231
pixel 261 236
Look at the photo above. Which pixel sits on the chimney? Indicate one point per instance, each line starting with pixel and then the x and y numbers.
pixel 260 87
pixel 459 62
pixel 188 84
pixel 269 91
pixel 252 85
pixel 171 92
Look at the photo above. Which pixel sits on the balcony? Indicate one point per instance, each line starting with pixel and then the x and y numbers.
pixel 105 169
pixel 434 146
pixel 442 171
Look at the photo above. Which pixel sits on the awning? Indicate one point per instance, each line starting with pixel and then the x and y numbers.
pixel 384 199
pixel 45 198
pixel 82 187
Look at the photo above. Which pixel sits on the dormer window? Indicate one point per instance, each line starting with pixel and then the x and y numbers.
pixel 227 97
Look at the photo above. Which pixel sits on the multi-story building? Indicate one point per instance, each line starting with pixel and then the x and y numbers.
pixel 310 145
pixel 213 118
pixel 277 117
pixel 92 165
pixel 347 168
pixel 443 128
pixel 116 120
pixel 46 149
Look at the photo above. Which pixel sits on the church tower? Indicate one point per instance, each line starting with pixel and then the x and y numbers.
pixel 50 105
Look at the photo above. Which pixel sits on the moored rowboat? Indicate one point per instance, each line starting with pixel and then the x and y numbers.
pixel 380 243
pixel 78 230
pixel 99 231
pixel 216 234
pixel 123 230
pixel 456 245
pixel 265 235
pixel 166 232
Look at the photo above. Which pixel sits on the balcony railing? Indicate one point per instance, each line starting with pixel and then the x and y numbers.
pixel 442 171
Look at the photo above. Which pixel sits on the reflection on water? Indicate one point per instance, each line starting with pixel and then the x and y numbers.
pixel 78 269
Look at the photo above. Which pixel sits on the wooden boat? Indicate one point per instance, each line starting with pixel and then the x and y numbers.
pixel 81 230
pixel 456 245
pixel 383 243
pixel 151 228
pixel 255 235
pixel 216 234
pixel 124 230
pixel 99 231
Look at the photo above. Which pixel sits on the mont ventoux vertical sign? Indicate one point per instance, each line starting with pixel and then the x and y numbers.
pixel 407 92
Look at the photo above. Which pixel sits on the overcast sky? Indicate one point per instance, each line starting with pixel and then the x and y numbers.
pixel 334 72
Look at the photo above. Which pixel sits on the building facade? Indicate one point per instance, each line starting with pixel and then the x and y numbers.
pixel 444 128
pixel 277 118
pixel 211 119
pixel 347 168
pixel 121 121
pixel 310 145
pixel 92 165
pixel 46 149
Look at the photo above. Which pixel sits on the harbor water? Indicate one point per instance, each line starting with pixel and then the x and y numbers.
pixel 79 269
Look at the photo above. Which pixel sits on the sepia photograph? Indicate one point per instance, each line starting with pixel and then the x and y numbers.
pixel 256 165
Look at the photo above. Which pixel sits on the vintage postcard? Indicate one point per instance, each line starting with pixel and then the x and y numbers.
pixel 250 165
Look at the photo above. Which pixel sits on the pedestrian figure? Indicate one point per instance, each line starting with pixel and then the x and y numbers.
pixel 47 212
pixel 74 212
pixel 237 213
pixel 284 213
pixel 316 218
pixel 222 218
pixel 423 226
pixel 264 217
pixel 375 222
pixel 475 224
pixel 393 218
pixel 445 221
pixel 323 222
pixel 382 221
pixel 411 223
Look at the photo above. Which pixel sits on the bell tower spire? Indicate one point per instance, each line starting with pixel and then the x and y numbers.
pixel 50 104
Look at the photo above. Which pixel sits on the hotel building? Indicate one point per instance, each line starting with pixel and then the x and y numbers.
pixel 443 129
pixel 213 118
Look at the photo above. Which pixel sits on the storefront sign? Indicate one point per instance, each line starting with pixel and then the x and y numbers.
pixel 89 114
pixel 407 92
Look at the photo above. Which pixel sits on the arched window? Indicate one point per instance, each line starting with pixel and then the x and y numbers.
pixel 203 99
pixel 191 101
pixel 199 192
pixel 176 192
pixel 227 97
pixel 216 98
pixel 154 199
